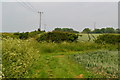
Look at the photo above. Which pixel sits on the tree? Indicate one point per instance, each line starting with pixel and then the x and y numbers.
pixel 103 30
pixel 97 31
pixel 117 30
pixel 57 29
pixel 110 30
pixel 86 30
pixel 66 30
pixel 39 29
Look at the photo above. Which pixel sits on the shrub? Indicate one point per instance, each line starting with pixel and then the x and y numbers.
pixel 23 35
pixel 108 38
pixel 66 30
pixel 18 57
pixel 27 34
pixel 17 33
pixel 58 37
pixel 6 35
pixel 34 33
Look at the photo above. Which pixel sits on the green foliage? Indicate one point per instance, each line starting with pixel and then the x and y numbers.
pixel 97 31
pixel 34 33
pixel 108 38
pixel 39 29
pixel 110 30
pixel 117 30
pixel 27 35
pixel 104 30
pixel 86 30
pixel 17 57
pixel 45 47
pixel 6 35
pixel 31 59
pixel 99 62
pixel 56 36
pixel 65 30
pixel 23 35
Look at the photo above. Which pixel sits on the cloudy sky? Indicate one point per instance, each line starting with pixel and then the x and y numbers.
pixel 23 16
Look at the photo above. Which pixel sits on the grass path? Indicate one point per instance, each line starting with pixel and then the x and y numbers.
pixel 58 66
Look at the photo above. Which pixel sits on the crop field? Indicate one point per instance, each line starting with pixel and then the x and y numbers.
pixel 100 62
pixel 85 37
pixel 59 40
pixel 83 59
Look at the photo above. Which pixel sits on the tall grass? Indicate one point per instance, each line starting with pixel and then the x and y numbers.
pixel 18 55
pixel 65 47
pixel 74 46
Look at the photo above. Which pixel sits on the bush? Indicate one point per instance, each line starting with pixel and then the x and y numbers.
pixel 66 30
pixel 108 38
pixel 34 33
pixel 23 35
pixel 58 37
pixel 18 57
pixel 6 35
pixel 27 34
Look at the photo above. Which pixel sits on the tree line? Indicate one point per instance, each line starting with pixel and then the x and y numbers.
pixel 65 30
pixel 102 30
pixel 88 30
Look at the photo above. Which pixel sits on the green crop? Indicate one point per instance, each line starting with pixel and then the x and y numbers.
pixel 100 62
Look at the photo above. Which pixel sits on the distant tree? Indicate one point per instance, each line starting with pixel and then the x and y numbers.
pixel 43 30
pixel 66 30
pixel 117 30
pixel 96 31
pixel 110 30
pixel 103 30
pixel 39 29
pixel 23 35
pixel 86 30
pixel 57 29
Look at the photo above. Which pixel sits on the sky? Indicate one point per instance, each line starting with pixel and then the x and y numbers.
pixel 17 17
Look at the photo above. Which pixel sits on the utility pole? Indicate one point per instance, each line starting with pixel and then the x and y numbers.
pixel 40 22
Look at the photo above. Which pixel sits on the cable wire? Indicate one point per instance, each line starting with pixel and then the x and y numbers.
pixel 32 6
pixel 29 5
pixel 26 6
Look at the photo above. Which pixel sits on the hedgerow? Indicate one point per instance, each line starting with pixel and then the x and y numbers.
pixel 18 57
pixel 58 37
pixel 108 38
pixel 27 35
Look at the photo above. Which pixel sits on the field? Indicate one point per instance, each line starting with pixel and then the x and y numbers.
pixel 83 59
pixel 85 37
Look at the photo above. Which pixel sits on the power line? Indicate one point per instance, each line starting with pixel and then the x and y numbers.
pixel 32 6
pixel 44 21
pixel 26 6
